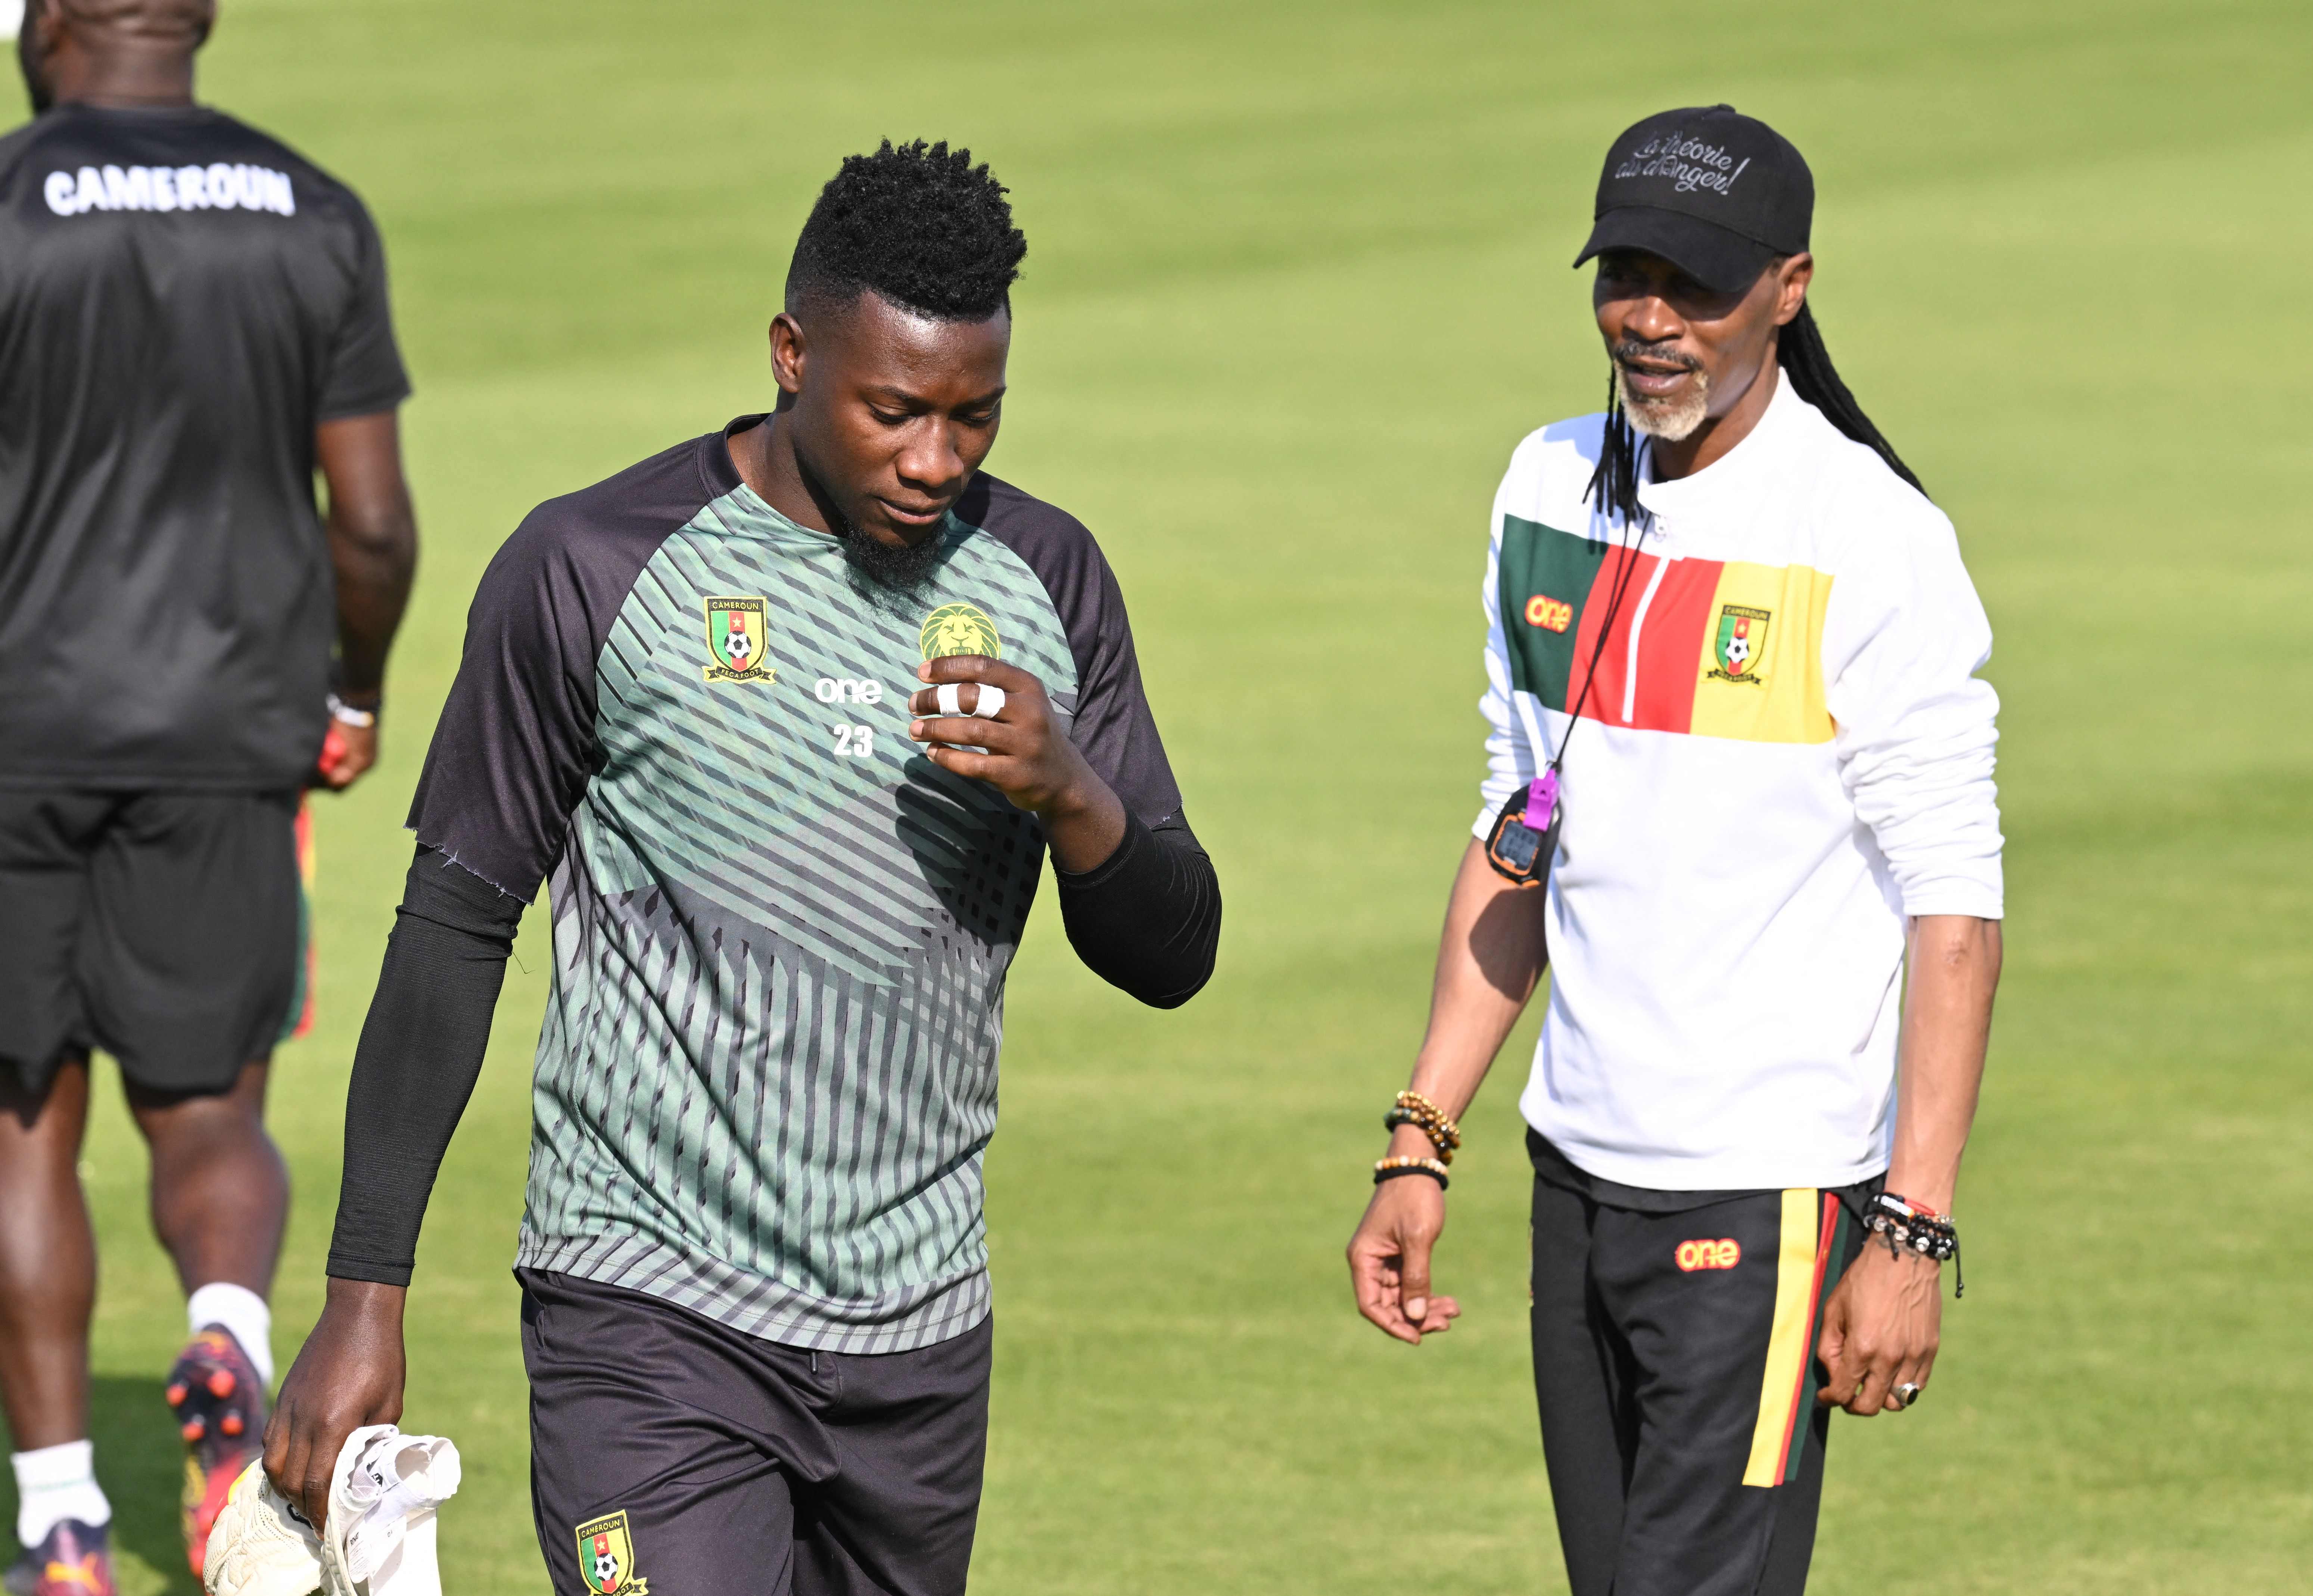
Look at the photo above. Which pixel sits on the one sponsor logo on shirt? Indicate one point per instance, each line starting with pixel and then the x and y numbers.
pixel 1723 1254
pixel 1552 614
pixel 1741 642
pixel 847 690
pixel 736 638
pixel 960 629
pixel 215 187
pixel 606 1557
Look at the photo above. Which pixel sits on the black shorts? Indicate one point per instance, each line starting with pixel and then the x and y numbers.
pixel 1674 1367
pixel 162 927
pixel 669 1450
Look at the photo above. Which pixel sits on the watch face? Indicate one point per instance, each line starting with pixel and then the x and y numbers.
pixel 1518 846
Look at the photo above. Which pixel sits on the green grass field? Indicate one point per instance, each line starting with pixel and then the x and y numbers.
pixel 1298 282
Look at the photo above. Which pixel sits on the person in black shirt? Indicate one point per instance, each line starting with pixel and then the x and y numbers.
pixel 193 320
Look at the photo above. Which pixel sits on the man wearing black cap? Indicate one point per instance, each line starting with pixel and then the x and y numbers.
pixel 1738 743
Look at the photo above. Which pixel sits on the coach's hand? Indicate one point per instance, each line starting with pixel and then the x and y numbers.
pixel 1880 1330
pixel 346 754
pixel 348 1374
pixel 1029 759
pixel 1389 1256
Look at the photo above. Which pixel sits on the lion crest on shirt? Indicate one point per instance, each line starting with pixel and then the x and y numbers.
pixel 960 629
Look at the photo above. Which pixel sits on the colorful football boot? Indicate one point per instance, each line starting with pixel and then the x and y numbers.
pixel 75 1559
pixel 220 1407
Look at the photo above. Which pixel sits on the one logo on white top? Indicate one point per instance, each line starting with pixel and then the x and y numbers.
pixel 215 187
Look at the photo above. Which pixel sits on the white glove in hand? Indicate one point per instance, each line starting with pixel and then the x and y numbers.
pixel 261 1546
pixel 382 1498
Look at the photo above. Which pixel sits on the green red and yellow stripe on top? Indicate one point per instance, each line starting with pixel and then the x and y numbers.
pixel 1726 649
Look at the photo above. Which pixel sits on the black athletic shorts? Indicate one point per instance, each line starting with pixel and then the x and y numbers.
pixel 671 1450
pixel 1674 1367
pixel 162 927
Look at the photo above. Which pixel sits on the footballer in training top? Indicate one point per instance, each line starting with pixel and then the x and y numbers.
pixel 768 1068
pixel 182 301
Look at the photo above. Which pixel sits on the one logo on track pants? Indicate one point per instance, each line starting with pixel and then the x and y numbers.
pixel 606 1557
pixel 1709 1254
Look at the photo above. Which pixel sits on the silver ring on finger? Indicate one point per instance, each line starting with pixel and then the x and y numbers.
pixel 1907 1393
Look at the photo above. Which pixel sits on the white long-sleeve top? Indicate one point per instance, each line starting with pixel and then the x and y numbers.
pixel 1784 753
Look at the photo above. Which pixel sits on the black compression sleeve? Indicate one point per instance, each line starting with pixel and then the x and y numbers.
pixel 421 1051
pixel 1148 920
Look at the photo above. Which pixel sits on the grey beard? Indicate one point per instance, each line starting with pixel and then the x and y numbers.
pixel 1668 419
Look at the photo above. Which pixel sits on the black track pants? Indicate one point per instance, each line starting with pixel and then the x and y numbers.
pixel 1674 1365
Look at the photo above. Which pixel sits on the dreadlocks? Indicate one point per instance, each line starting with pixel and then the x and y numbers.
pixel 1614 485
pixel 1808 364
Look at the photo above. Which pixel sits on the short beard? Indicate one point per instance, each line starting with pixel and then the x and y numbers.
pixel 900 567
pixel 1669 420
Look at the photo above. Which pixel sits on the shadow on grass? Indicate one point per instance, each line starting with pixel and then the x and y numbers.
pixel 141 1464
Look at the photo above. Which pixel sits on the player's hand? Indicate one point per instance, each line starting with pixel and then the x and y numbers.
pixel 1389 1259
pixel 347 1374
pixel 345 752
pixel 1880 1330
pixel 1028 758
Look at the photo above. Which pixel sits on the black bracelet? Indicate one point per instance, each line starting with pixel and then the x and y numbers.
pixel 1392 1171
pixel 1914 1229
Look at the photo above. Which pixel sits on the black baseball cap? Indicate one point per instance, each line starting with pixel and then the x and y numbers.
pixel 1714 192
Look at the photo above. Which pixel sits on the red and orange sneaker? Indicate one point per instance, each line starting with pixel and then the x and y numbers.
pixel 75 1559
pixel 220 1407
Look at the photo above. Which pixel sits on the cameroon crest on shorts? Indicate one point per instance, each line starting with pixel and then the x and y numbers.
pixel 606 1557
pixel 736 640
pixel 960 629
pixel 1741 643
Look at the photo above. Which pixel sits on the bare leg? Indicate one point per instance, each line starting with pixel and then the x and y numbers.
pixel 220 1188
pixel 48 1260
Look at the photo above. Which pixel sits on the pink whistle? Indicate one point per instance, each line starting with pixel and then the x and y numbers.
pixel 1541 801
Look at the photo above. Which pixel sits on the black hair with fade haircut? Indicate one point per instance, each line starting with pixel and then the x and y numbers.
pixel 916 224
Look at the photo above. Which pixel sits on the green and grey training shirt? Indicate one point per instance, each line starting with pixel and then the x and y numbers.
pixel 768 1068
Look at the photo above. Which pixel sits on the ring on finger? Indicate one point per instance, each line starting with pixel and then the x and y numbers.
pixel 1906 1394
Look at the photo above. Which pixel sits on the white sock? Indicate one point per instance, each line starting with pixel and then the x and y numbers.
pixel 55 1484
pixel 240 1310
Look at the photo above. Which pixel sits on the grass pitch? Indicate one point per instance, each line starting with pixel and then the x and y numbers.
pixel 1298 282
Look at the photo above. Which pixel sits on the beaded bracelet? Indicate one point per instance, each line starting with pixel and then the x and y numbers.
pixel 1390 1168
pixel 1412 1108
pixel 1910 1227
pixel 1407 1116
pixel 1435 1119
